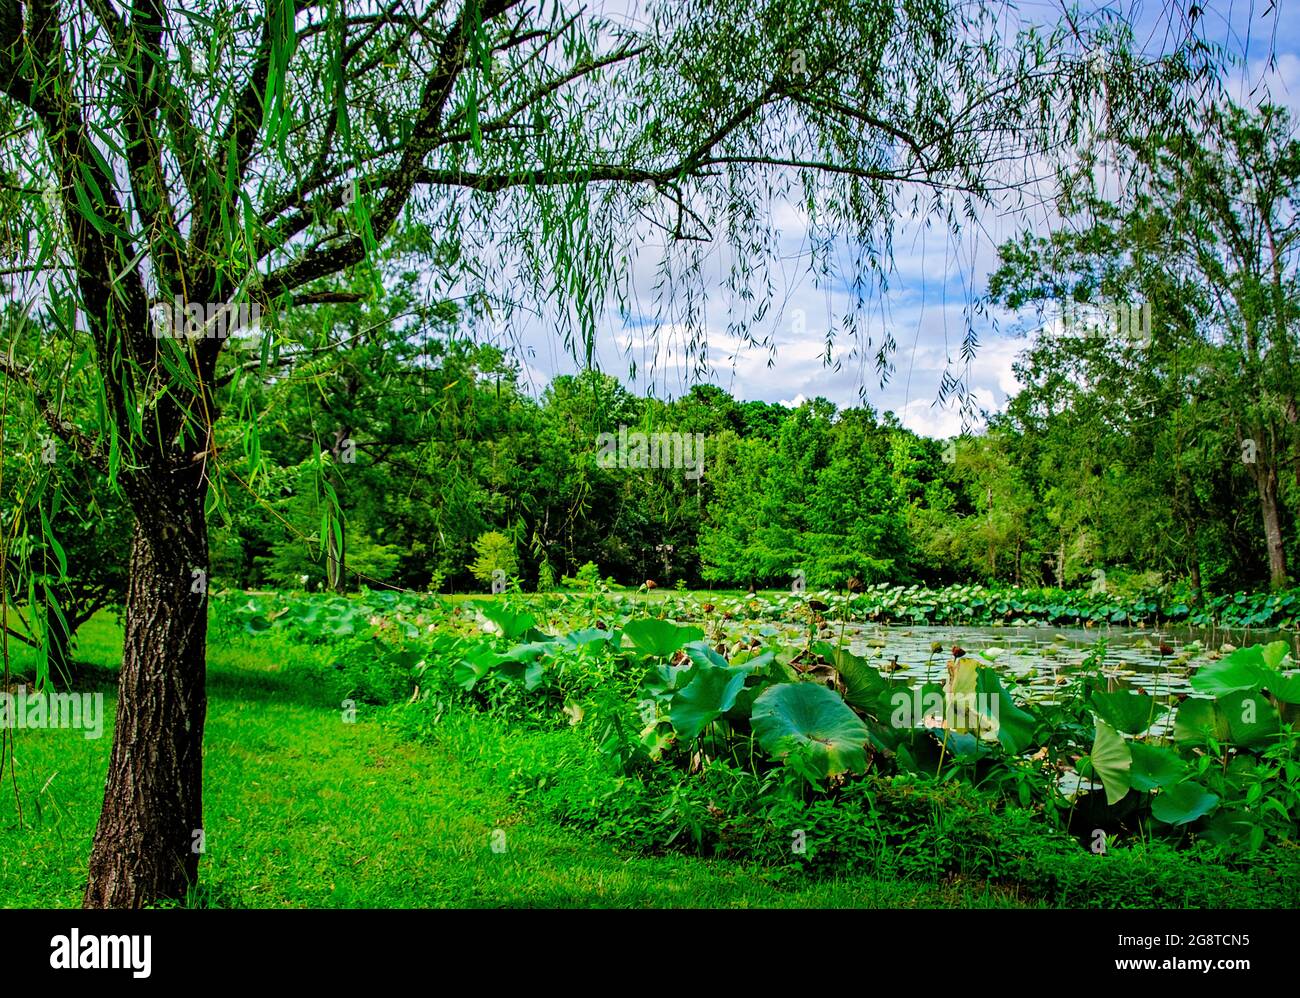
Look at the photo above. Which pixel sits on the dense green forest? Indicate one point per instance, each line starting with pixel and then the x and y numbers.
pixel 412 450
pixel 1067 482
pixel 385 443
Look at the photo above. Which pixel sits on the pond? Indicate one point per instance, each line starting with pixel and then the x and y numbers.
pixel 1038 657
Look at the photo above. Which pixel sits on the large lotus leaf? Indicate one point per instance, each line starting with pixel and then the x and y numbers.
pixel 1014 726
pixel 1199 721
pixel 667 679
pixel 511 624
pixel 814 721
pixel 1275 653
pixel 1252 718
pixel 863 684
pixel 1183 803
pixel 1285 688
pixel 588 638
pixel 1154 766
pixel 529 672
pixel 1112 761
pixel 701 653
pixel 710 692
pixel 756 664
pixel 476 664
pixel 660 637
pixel 1244 669
pixel 528 651
pixel 1126 710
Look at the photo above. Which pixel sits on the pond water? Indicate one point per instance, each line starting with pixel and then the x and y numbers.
pixel 1036 657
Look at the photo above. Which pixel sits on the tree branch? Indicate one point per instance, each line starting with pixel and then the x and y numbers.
pixel 404 177
pixel 70 434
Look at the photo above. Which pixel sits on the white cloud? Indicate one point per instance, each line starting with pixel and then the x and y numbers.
pixel 934 277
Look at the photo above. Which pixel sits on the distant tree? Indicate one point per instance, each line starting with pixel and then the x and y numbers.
pixel 494 552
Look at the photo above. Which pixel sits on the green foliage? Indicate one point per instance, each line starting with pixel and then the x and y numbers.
pixel 910 829
pixel 359 443
pixel 841 496
pixel 710 692
pixel 1111 760
pixel 415 811
pixel 1015 605
pixel 654 700
pixel 494 552
pixel 811 728
pixel 660 638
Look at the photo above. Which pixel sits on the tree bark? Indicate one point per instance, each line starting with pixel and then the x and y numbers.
pixel 149 838
pixel 1266 479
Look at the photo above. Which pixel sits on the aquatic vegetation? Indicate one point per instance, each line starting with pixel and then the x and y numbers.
pixel 1212 754
pixel 978 604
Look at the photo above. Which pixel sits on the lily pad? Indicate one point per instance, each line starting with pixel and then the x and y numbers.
pixel 814 720
pixel 1183 803
pixel 660 637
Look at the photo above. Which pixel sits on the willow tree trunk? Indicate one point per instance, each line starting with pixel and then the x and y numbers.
pixel 150 833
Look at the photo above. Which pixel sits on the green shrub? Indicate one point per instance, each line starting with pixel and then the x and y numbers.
pixel 906 827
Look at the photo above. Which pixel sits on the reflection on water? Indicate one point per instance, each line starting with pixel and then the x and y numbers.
pixel 1036 659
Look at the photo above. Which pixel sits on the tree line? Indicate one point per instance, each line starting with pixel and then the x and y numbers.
pixel 443 467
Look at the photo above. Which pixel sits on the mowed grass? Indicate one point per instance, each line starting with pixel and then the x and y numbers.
pixel 304 810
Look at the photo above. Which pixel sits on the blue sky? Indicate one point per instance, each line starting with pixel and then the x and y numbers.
pixel 924 307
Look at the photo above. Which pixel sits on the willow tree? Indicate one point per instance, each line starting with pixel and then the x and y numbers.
pixel 209 153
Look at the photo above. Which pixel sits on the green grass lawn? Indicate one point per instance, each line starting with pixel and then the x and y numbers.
pixel 303 810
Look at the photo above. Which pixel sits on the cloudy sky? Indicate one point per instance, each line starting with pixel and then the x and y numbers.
pixel 935 276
